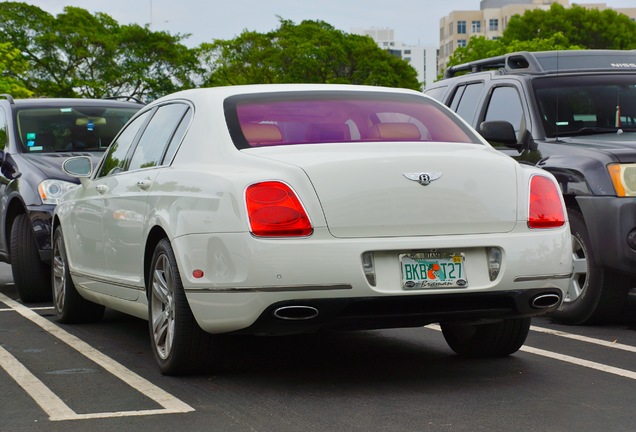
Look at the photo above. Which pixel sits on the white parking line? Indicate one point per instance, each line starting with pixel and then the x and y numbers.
pixel 56 409
pixel 581 362
pixel 574 360
pixel 584 339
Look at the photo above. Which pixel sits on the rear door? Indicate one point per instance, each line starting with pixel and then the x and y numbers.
pixel 125 211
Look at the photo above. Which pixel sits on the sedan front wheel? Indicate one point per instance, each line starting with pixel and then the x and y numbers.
pixel 70 306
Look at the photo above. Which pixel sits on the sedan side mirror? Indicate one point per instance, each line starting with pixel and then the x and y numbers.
pixel 78 166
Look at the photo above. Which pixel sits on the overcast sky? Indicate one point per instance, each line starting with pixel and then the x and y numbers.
pixel 414 21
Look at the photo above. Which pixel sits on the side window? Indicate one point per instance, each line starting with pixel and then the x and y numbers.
pixel 3 130
pixel 177 137
pixel 115 158
pixel 505 105
pixel 436 92
pixel 156 137
pixel 466 104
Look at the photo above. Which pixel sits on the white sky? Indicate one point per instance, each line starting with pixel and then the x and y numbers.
pixel 414 21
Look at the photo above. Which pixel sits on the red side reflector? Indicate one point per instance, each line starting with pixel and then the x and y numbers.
pixel 274 210
pixel 546 210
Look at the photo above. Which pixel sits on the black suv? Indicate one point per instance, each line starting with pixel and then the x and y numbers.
pixel 572 113
pixel 36 136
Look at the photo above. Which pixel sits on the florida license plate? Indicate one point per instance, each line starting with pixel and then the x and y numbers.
pixel 433 270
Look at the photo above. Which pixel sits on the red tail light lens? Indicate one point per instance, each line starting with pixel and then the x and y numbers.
pixel 274 210
pixel 546 210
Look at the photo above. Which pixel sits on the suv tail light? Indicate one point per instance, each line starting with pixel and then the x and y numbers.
pixel 546 208
pixel 274 210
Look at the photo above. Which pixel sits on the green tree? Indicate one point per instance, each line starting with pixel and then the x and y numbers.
pixel 310 52
pixel 80 54
pixel 587 28
pixel 557 28
pixel 13 65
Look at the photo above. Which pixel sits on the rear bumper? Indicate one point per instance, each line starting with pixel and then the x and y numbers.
pixel 246 279
pixel 609 221
pixel 403 311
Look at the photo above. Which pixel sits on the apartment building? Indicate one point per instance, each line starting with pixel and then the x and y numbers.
pixel 422 58
pixel 491 20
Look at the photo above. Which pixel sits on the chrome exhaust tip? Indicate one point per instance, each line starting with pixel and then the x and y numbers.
pixel 296 313
pixel 544 301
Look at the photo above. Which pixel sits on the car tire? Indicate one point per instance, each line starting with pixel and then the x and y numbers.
pixel 31 276
pixel 595 295
pixel 179 345
pixel 497 339
pixel 70 306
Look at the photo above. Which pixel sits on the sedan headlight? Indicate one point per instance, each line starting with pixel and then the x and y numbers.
pixel 624 179
pixel 52 190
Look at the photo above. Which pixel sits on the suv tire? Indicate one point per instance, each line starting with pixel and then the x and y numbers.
pixel 595 295
pixel 32 277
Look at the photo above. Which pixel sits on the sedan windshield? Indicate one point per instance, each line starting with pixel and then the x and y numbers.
pixel 68 128
pixel 336 117
pixel 586 105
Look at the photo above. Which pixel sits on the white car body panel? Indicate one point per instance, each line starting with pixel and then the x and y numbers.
pixel 198 202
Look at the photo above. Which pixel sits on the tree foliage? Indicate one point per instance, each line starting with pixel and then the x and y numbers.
pixel 558 28
pixel 80 54
pixel 12 63
pixel 310 52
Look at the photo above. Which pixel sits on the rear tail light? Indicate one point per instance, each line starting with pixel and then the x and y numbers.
pixel 546 208
pixel 274 210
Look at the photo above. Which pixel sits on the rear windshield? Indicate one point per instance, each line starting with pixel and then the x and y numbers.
pixel 68 128
pixel 335 117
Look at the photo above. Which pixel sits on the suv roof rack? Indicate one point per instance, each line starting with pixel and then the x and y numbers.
pixel 8 97
pixel 550 61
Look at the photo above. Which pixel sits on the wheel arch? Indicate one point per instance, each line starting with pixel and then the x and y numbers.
pixel 15 208
pixel 156 234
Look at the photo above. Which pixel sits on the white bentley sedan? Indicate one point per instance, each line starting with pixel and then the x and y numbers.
pixel 281 209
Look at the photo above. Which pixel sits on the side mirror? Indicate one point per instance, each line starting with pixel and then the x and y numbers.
pixel 78 166
pixel 501 132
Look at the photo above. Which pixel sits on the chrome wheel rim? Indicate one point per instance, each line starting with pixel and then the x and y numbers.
pixel 59 275
pixel 162 313
pixel 580 270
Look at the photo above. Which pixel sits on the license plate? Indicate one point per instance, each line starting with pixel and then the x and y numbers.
pixel 433 270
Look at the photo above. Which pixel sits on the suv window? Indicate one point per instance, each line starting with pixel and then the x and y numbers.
pixel 3 129
pixel 505 105
pixel 465 100
pixel 65 128
pixel 567 106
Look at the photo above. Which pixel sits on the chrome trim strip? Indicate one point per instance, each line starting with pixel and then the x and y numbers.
pixel 272 289
pixel 107 281
pixel 542 277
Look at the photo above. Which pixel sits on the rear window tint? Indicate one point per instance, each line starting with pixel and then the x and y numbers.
pixel 339 117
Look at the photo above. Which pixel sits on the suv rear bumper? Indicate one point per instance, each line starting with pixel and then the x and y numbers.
pixel 609 221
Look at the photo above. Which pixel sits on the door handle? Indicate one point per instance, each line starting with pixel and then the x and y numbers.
pixel 101 189
pixel 144 184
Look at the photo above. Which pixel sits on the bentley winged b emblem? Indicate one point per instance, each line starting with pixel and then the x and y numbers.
pixel 423 178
